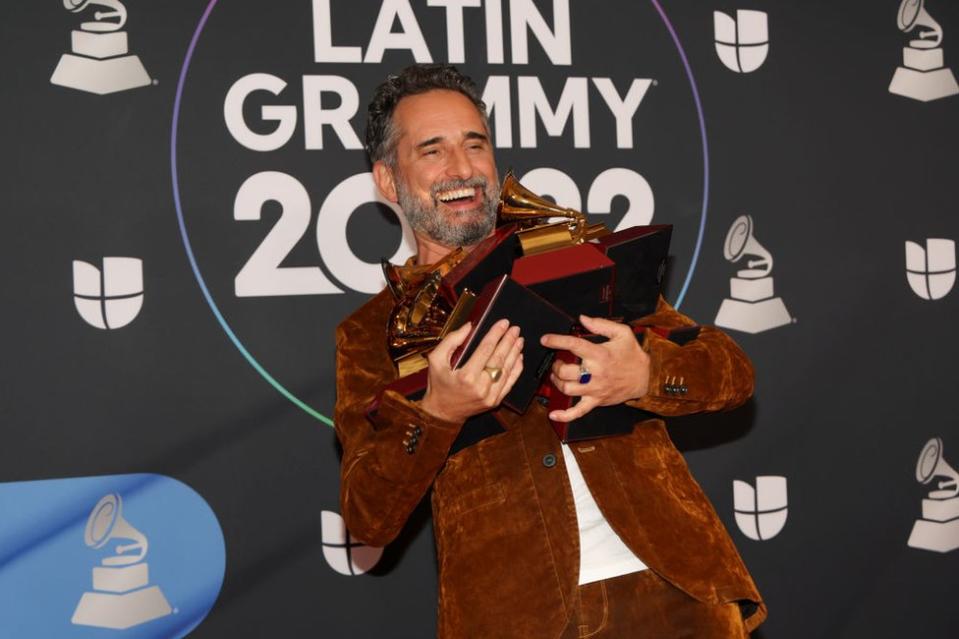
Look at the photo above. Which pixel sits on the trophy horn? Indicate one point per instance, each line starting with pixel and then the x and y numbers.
pixel 519 204
pixel 532 213
pixel 394 281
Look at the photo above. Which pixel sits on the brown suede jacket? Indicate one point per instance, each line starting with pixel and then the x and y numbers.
pixel 505 525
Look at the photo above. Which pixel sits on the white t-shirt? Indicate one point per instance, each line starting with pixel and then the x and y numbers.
pixel 602 554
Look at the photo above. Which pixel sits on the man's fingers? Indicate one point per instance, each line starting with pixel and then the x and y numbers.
pixel 486 347
pixel 503 348
pixel 513 355
pixel 584 406
pixel 573 389
pixel 566 372
pixel 513 358
pixel 558 342
pixel 602 326
pixel 577 346
pixel 510 379
pixel 444 350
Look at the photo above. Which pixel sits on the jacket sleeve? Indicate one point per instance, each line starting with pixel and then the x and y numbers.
pixel 390 459
pixel 708 373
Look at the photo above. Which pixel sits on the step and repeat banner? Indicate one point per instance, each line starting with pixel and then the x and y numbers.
pixel 191 213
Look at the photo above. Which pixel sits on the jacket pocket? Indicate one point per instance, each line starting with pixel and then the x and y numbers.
pixel 466 484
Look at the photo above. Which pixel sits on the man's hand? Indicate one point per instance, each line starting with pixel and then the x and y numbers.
pixel 456 394
pixel 619 368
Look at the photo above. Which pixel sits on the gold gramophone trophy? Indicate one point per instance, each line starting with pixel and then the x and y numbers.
pixel 532 213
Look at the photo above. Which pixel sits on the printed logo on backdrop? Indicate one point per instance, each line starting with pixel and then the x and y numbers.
pixel 279 214
pixel 938 528
pixel 742 44
pixel 931 270
pixel 111 297
pixel 122 596
pixel 100 60
pixel 751 306
pixel 342 551
pixel 761 511
pixel 923 75
pixel 74 557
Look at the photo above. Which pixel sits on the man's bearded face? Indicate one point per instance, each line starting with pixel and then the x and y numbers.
pixel 452 226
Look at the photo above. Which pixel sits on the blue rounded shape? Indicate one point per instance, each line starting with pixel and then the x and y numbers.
pixel 156 574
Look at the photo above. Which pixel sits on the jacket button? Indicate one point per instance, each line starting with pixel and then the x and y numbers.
pixel 549 460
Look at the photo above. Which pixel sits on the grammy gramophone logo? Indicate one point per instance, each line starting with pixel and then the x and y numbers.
pixel 923 75
pixel 100 61
pixel 121 596
pixel 938 529
pixel 751 307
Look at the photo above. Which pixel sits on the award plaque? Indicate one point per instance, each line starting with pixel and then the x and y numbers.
pixel 505 298
pixel 640 255
pixel 502 298
pixel 492 258
pixel 578 279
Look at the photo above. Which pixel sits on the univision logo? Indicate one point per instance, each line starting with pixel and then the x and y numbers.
pixel 761 511
pixel 342 551
pixel 94 556
pixel 742 44
pixel 112 297
pixel 931 271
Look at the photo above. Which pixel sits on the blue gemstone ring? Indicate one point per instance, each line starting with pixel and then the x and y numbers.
pixel 584 375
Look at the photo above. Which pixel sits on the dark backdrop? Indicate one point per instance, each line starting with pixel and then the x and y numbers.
pixel 836 172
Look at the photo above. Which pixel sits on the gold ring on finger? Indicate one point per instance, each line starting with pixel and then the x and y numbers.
pixel 493 372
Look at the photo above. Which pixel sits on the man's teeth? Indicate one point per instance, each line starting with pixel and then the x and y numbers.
pixel 457 194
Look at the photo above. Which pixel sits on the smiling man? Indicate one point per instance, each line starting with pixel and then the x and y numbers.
pixel 441 171
pixel 435 159
pixel 605 538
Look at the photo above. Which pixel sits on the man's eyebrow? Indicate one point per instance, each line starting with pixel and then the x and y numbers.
pixel 476 135
pixel 469 135
pixel 430 142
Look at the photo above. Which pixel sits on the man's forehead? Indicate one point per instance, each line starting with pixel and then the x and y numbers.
pixel 438 113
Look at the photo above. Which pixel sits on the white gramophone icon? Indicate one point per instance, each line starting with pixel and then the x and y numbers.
pixel 939 527
pixel 100 62
pixel 122 596
pixel 922 75
pixel 753 307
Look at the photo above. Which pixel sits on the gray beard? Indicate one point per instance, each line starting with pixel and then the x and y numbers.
pixel 452 229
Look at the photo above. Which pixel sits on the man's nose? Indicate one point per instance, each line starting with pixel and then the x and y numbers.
pixel 459 165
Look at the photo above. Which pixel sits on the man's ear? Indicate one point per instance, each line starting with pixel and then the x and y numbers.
pixel 385 180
